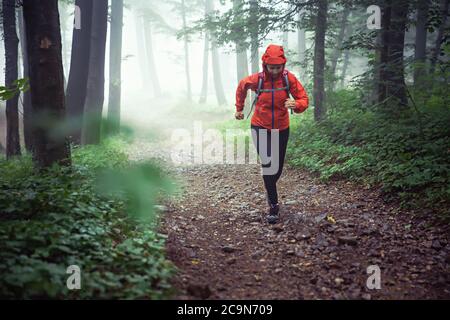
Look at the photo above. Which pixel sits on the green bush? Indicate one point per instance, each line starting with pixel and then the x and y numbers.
pixel 51 220
pixel 407 157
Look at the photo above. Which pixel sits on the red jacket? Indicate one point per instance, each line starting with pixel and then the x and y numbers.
pixel 270 111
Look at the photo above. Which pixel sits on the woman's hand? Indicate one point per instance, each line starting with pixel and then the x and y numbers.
pixel 239 115
pixel 290 103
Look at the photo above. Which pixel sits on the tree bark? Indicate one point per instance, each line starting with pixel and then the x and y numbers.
pixel 204 91
pixel 221 100
pixel 337 49
pixel 43 36
pixel 115 67
pixel 319 61
pixel 141 55
pixel 151 58
pixel 11 74
pixel 346 59
pixel 437 47
pixel 186 53
pixel 254 43
pixel 396 75
pixel 301 44
pixel 384 52
pixel 79 70
pixel 241 56
pixel 241 52
pixel 26 97
pixel 95 93
pixel 285 41
pixel 421 42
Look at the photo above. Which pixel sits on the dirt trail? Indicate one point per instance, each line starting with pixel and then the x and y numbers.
pixel 327 237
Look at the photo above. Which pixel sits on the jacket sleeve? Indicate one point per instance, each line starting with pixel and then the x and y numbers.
pixel 298 93
pixel 250 82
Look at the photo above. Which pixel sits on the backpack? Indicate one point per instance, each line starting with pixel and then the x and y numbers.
pixel 260 84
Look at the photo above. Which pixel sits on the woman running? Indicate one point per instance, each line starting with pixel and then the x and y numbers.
pixel 270 121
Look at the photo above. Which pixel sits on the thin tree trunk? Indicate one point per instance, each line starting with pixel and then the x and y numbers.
pixel 254 44
pixel 11 74
pixel 319 61
pixel 384 53
pixel 421 43
pixel 19 52
pixel 344 67
pixel 26 100
pixel 43 36
pixel 79 70
pixel 115 67
pixel 95 94
pixel 241 56
pixel 220 94
pixel 437 47
pixel 241 52
pixel 151 58
pixel 301 44
pixel 186 53
pixel 346 59
pixel 337 49
pixel 285 41
pixel 141 55
pixel 204 91
pixel 397 86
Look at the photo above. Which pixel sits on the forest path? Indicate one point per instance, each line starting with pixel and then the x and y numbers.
pixel 327 236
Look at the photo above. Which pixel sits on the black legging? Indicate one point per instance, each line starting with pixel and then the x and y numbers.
pixel 270 180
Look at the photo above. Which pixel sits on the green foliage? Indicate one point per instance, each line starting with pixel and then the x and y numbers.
pixel 407 157
pixel 17 86
pixel 54 219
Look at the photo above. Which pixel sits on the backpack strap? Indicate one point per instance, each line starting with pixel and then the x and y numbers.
pixel 287 85
pixel 258 91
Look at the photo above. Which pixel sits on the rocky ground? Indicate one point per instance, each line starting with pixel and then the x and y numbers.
pixel 329 234
pixel 327 237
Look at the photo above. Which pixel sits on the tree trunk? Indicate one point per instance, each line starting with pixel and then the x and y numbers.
pixel 421 43
pixel 319 61
pixel 437 48
pixel 337 49
pixel 79 70
pixel 43 36
pixel 220 94
pixel 141 55
pixel 254 44
pixel 115 67
pixel 151 59
pixel 186 53
pixel 204 91
pixel 241 52
pixel 285 41
pixel 301 44
pixel 241 56
pixel 26 100
pixel 11 74
pixel 346 59
pixel 93 105
pixel 396 75
pixel 384 52
pixel 344 67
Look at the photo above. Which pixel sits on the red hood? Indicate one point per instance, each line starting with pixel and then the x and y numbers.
pixel 274 55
